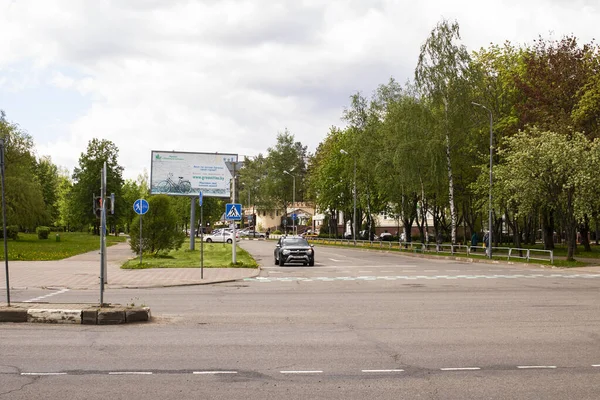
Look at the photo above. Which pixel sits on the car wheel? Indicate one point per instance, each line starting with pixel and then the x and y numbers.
pixel 275 261
pixel 312 263
pixel 281 263
pixel 208 240
pixel 229 241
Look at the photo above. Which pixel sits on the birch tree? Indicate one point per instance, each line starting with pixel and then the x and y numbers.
pixel 442 74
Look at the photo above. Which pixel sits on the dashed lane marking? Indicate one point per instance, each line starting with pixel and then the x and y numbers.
pixel 382 370
pixel 460 369
pixel 43 373
pixel 130 373
pixel 299 372
pixel 416 277
pixel 302 372
pixel 213 372
pixel 46 296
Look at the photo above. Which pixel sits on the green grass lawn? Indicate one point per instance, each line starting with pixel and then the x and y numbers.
pixel 216 255
pixel 29 248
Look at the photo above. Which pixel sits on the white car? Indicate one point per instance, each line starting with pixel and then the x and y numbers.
pixel 221 237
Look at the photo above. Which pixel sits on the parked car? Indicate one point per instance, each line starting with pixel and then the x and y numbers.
pixel 251 233
pixel 386 236
pixel 221 237
pixel 294 249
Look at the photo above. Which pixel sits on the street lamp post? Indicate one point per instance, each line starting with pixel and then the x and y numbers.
pixel 293 200
pixel 354 198
pixel 491 164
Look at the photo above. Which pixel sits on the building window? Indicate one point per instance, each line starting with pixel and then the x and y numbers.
pixel 277 213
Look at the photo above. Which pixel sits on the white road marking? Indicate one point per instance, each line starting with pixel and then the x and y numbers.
pixel 413 277
pixel 130 373
pixel 46 296
pixel 301 372
pixel 44 373
pixel 213 372
pixel 382 370
pixel 536 366
pixel 460 369
pixel 596 365
pixel 334 260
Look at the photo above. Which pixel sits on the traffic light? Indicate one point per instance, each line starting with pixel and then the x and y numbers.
pixel 98 206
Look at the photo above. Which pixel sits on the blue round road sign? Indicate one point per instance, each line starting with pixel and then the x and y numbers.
pixel 141 206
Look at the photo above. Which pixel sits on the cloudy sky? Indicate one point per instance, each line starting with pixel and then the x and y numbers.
pixel 226 76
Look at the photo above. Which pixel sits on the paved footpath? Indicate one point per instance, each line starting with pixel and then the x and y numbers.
pixel 83 272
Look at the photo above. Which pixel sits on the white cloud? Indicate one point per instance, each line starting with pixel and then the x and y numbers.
pixel 228 75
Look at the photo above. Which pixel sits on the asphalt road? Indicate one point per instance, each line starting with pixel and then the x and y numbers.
pixel 357 325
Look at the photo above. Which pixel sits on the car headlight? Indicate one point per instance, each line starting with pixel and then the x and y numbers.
pixel 286 252
pixel 309 251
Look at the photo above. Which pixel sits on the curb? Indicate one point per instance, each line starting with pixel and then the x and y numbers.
pixel 107 315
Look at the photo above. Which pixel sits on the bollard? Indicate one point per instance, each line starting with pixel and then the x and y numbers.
pixel 57 237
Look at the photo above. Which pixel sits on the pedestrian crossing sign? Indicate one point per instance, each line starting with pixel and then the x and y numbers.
pixel 233 212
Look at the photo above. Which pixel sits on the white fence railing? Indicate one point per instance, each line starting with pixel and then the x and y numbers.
pixel 418 247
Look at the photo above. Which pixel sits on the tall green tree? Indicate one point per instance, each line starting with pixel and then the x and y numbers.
pixel 65 202
pixel 287 155
pixel 47 174
pixel 86 177
pixel 543 166
pixel 442 74
pixel 25 204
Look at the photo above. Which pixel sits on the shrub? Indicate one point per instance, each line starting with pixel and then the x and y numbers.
pixel 159 232
pixel 12 232
pixel 42 232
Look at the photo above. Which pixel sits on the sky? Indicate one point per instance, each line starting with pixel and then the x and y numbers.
pixel 225 75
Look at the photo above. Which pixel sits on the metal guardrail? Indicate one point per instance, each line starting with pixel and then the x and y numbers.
pixel 418 247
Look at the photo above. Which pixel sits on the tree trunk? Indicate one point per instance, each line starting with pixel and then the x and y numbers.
pixel 584 230
pixel 548 229
pixel 570 227
pixel 451 192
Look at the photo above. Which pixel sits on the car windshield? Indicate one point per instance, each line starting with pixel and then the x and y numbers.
pixel 295 242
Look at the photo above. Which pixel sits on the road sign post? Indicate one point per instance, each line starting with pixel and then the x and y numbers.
pixel 233 212
pixel 103 277
pixel 141 207
pixel 201 237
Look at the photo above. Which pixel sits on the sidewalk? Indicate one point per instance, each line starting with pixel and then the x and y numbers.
pixel 83 272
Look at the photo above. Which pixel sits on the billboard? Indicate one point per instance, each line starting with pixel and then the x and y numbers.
pixel 186 174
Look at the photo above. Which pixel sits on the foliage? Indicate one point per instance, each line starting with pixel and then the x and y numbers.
pixel 86 177
pixel 23 193
pixel 12 232
pixel 42 232
pixel 443 75
pixel 264 177
pixel 542 167
pixel 159 228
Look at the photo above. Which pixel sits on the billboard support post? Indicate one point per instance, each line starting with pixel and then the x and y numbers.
pixel 201 237
pixel 192 223
pixel 233 242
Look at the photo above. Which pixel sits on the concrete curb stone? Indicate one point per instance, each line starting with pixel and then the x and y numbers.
pixel 87 314
pixel 13 315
